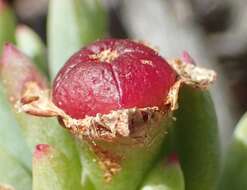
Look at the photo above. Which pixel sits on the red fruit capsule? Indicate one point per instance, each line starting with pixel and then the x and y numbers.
pixel 110 75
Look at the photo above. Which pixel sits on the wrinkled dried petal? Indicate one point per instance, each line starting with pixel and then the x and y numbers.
pixel 192 75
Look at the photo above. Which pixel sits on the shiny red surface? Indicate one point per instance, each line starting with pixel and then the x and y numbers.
pixel 136 77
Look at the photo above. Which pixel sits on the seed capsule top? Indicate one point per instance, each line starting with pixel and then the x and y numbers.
pixel 112 74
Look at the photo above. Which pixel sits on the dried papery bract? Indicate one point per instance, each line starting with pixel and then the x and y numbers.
pixel 129 101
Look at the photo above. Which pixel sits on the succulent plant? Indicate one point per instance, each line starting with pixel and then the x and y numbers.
pixel 234 170
pixel 112 115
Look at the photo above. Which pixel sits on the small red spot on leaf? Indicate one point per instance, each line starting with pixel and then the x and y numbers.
pixel 41 150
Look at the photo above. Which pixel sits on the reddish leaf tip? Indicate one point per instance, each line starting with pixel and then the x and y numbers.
pixel 17 71
pixel 8 48
pixel 41 150
pixel 173 158
pixel 8 51
pixel 187 58
pixel 3 4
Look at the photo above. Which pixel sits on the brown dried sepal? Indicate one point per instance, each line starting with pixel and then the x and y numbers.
pixel 193 75
pixel 36 101
pixel 108 127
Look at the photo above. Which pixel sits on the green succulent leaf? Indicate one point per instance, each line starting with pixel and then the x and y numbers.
pixel 13 173
pixel 31 44
pixel 36 130
pixel 71 25
pixel 91 18
pixel 167 175
pixel 7 25
pixel 196 138
pixel 86 182
pixel 10 135
pixel 52 170
pixel 235 166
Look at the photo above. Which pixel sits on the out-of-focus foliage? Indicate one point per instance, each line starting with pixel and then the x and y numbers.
pixel 235 166
pixel 13 173
pixel 30 43
pixel 81 22
pixel 171 28
pixel 196 139
pixel 167 175
pixel 7 25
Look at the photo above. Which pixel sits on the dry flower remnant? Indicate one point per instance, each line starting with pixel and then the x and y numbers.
pixel 115 91
pixel 107 55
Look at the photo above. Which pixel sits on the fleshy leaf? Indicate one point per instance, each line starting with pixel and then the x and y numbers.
pixel 52 170
pixel 10 135
pixel 235 167
pixel 7 24
pixel 167 175
pixel 36 130
pixel 16 71
pixel 13 173
pixel 71 25
pixel 197 139
pixel 31 44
